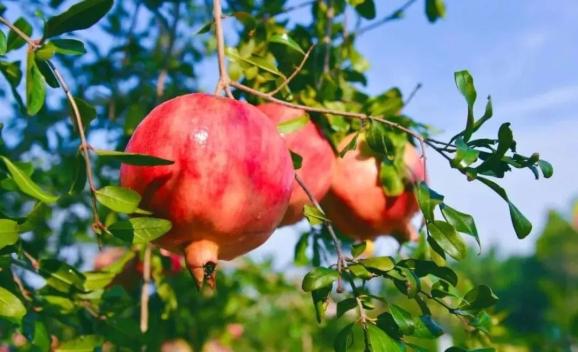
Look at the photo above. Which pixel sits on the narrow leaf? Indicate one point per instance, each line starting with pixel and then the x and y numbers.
pixel 448 239
pixel 81 15
pixel 11 306
pixel 26 185
pixel 292 125
pixel 287 41
pixel 132 158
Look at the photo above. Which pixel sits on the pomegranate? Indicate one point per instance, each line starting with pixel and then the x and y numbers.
pixel 230 182
pixel 317 163
pixel 356 203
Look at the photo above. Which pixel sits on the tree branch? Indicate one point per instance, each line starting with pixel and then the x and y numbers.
pixel 223 83
pixel 294 74
pixel 341 260
pixel 391 17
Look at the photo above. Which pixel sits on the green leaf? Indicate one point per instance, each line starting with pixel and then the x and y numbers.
pixel 426 327
pixel 35 331
pixel 465 84
pixel 358 248
pixel 47 73
pixel 350 339
pixel 435 9
pixel 87 112
pixel 60 275
pixel 448 239
pixel 140 230
pixel 428 200
pixel 522 225
pixel 379 341
pixel 292 125
pixel 284 39
pixel 319 277
pixel 97 280
pixel 132 158
pixel 359 271
pixel 296 159
pixel 412 284
pixel 300 257
pixel 478 298
pixel 546 167
pixel 3 43
pixel 381 264
pixel 465 156
pixel 8 232
pixel 345 305
pixel 366 9
pixel 26 185
pixel 320 301
pixel 390 179
pixel 86 343
pixel 68 46
pixel 403 319
pixel 11 306
pixel 256 61
pixel 314 215
pixel 81 15
pixel 14 40
pixel 35 86
pixel 79 180
pixel 461 221
pixel 119 199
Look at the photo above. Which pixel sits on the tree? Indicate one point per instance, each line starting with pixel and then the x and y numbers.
pixel 105 66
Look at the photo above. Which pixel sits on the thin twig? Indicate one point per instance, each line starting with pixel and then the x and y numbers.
pixel 164 67
pixel 355 115
pixel 294 74
pixel 84 146
pixel 391 17
pixel 223 83
pixel 25 293
pixel 21 34
pixel 341 259
pixel 293 8
pixel 144 297
pixel 412 94
pixel 328 35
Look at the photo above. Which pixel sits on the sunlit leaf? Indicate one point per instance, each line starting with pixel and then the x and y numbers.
pixel 132 158
pixel 11 306
pixel 119 199
pixel 81 15
pixel 8 232
pixel 319 277
pixel 140 230
pixel 284 39
pixel 26 185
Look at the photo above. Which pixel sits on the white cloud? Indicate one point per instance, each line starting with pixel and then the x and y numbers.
pixel 546 100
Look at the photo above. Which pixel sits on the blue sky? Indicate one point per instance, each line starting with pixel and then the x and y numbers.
pixel 525 55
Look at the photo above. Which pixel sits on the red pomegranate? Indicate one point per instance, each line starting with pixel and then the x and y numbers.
pixel 356 203
pixel 230 182
pixel 317 154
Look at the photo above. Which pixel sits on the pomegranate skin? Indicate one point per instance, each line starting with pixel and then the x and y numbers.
pixel 317 164
pixel 230 182
pixel 356 203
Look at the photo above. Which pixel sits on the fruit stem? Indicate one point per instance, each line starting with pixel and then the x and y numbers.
pixel 201 258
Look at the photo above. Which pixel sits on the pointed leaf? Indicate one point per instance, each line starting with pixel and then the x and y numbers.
pixel 133 158
pixel 119 199
pixel 292 125
pixel 140 230
pixel 11 306
pixel 382 264
pixel 319 277
pixel 26 185
pixel 14 39
pixel 379 341
pixel 448 239
pixel 35 86
pixel 287 41
pixel 81 15
pixel 461 221
pixel 8 232
pixel 314 215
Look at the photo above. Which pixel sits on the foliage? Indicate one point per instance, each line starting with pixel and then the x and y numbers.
pixel 106 65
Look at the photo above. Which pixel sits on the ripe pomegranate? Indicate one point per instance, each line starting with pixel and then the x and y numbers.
pixel 317 154
pixel 356 203
pixel 230 182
